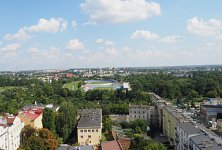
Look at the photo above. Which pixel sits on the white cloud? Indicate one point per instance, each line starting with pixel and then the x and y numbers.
pixel 33 50
pixel 10 48
pixel 171 39
pixel 119 11
pixel 144 34
pixel 74 24
pixel 211 27
pixel 75 44
pixel 104 42
pixel 51 26
pixel 21 35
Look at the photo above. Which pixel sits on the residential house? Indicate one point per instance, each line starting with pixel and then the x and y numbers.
pixel 89 128
pixel 32 117
pixel 111 145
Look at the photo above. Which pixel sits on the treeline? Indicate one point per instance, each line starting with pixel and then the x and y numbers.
pixel 198 84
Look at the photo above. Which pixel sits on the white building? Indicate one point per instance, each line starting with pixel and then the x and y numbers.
pixel 10 130
pixel 89 127
pixel 185 130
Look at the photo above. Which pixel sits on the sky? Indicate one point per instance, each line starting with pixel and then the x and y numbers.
pixel 55 34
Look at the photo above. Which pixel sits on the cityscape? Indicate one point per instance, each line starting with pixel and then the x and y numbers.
pixel 111 75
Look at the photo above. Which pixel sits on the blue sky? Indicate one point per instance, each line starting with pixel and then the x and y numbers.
pixel 55 34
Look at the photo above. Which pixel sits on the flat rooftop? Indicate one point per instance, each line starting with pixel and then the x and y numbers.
pixel 204 142
pixel 90 118
pixel 189 128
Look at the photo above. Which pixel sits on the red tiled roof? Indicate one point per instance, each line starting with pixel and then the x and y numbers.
pixel 10 119
pixel 33 113
pixel 111 145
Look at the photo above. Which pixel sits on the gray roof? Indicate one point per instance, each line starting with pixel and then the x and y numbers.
pixel 199 140
pixel 90 118
pixel 88 147
pixel 189 128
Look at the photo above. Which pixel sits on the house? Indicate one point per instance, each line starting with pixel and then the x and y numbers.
pixel 121 135
pixel 10 130
pixel 32 117
pixel 89 128
pixel 111 145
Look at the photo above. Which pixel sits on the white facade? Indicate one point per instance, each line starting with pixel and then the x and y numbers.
pixel 3 137
pixel 10 128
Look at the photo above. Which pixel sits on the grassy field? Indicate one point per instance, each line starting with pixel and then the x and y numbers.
pixel 98 82
pixel 104 88
pixel 69 85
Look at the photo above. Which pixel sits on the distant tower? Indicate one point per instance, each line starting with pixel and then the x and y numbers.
pixel 73 87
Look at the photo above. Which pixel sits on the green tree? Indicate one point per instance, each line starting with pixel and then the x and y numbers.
pixel 66 120
pixel 107 124
pixel 48 119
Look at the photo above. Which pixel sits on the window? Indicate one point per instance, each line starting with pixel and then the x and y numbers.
pixel 82 136
pixel 89 136
pixel 97 130
pixel 92 130
pixel 89 130
pixel 81 130
pixel 85 130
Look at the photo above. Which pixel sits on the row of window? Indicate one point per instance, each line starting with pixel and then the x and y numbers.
pixel 137 116
pixel 89 130
pixel 89 136
pixel 139 112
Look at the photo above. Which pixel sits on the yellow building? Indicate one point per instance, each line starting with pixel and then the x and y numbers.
pixel 89 127
pixel 171 116
pixel 32 117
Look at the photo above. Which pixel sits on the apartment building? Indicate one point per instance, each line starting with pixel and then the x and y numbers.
pixel 32 117
pixel 204 142
pixel 171 117
pixel 209 112
pixel 10 130
pixel 89 128
pixel 186 130
pixel 145 112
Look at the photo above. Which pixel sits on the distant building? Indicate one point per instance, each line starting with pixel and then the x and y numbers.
pixel 111 145
pixel 69 75
pixel 10 130
pixel 89 127
pixel 214 101
pixel 209 112
pixel 144 112
pixel 32 117
pixel 185 130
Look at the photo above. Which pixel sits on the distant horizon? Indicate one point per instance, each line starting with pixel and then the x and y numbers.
pixel 88 33
pixel 146 67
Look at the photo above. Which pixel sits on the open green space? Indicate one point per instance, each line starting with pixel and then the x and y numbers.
pixel 69 85
pixel 103 88
pixel 98 82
